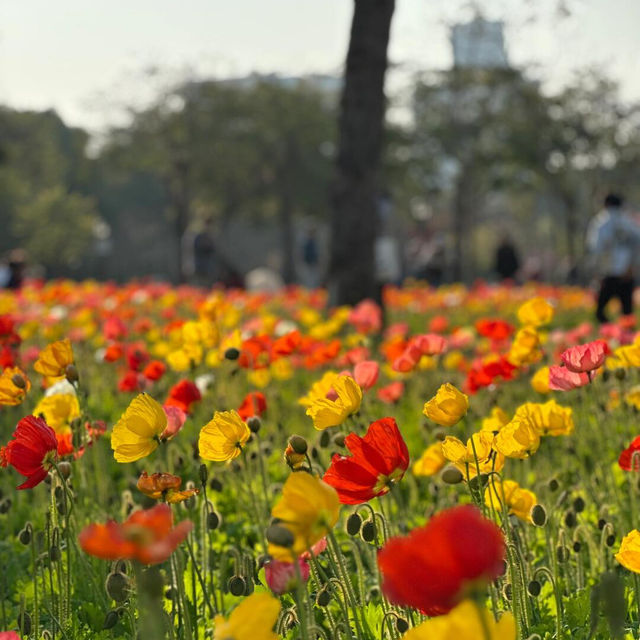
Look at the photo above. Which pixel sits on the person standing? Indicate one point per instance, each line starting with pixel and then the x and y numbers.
pixel 614 242
pixel 507 261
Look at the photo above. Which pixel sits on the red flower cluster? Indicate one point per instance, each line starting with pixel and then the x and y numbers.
pixel 433 567
pixel 376 461
pixel 32 451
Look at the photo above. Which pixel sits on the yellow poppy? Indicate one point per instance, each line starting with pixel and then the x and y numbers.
pixel 319 389
pixel 309 509
pixel 628 355
pixel 524 348
pixel 548 419
pixel 536 312
pixel 137 433
pixel 330 413
pixel 223 437
pixel 14 386
pixel 54 359
pixel 519 501
pixel 479 446
pixel 518 439
pixel 447 406
pixel 540 380
pixel 464 623
pixel 58 409
pixel 430 462
pixel 629 553
pixel 253 619
pixel 495 420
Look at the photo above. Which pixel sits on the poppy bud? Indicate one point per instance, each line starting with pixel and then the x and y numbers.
pixel 534 588
pixel 110 620
pixel 117 586
pixel 25 536
pixel 280 536
pixel 232 353
pixel 249 587
pixel 553 484
pixel 18 381
pixel 440 434
pixel 338 439
pixel 325 438
pixel 368 531
pixel 54 553
pixel 204 474
pixel 451 475
pixel 620 374
pixel 601 524
pixel 5 505
pixel 71 373
pixel 577 546
pixel 236 585
pixel 213 521
pixel 323 598
pixel 298 444
pixel 294 460
pixel 374 593
pixel 354 522
pixel 402 625
pixel 539 515
pixel 578 505
pixel 606 374
pixel 65 469
pixel 24 623
pixel 570 519
pixel 610 540
pixel 561 553
pixel 215 485
pixel 254 424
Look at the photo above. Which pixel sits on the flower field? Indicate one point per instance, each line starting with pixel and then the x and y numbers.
pixel 189 464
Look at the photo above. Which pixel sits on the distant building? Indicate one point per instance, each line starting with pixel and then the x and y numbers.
pixel 479 44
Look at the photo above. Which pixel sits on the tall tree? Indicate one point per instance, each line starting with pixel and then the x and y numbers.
pixel 355 189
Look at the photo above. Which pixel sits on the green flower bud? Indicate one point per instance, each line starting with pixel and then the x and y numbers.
pixel 451 475
pixel 354 522
pixel 280 536
pixel 236 585
pixel 539 515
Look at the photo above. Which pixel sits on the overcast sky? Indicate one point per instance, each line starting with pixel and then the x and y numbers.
pixel 78 56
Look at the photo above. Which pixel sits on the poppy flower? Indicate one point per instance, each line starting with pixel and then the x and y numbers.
pixel 130 381
pixel 519 501
pixel 517 439
pixel 584 358
pixel 447 407
pixel 163 486
pixel 464 623
pixel 32 452
pixel 223 437
pixel 561 379
pixel 627 461
pixel 9 635
pixel 183 395
pixel 154 370
pixel 391 393
pixel 494 328
pixel 535 312
pixel 14 386
pixel 330 413
pixel 548 419
pixel 176 418
pixel 478 452
pixel 146 536
pixel 253 619
pixel 254 404
pixel 309 509
pixel 137 433
pixel 376 461
pixel 540 380
pixel 366 373
pixel 54 359
pixel 430 462
pixel 58 410
pixel 433 567
pixel 282 577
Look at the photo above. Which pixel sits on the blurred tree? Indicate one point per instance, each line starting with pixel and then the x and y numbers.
pixel 356 188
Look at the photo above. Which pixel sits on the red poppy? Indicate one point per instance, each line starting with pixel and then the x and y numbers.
pixel 285 345
pixel 434 567
pixel 366 317
pixel 627 460
pixel 391 393
pixel 494 328
pixel 113 352
pixel 146 536
pixel 154 370
pixel 378 460
pixel 136 355
pixel 130 381
pixel 32 452
pixel 182 395
pixel 254 404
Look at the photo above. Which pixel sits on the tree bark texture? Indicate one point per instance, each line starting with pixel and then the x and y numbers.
pixel 355 189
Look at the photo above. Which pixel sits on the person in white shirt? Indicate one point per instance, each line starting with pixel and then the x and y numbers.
pixel 614 242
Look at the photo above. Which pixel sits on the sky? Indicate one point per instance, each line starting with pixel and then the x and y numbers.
pixel 86 58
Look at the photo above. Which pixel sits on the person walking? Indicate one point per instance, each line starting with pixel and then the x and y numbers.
pixel 614 242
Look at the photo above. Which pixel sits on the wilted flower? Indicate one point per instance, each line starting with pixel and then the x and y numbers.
pixel 163 486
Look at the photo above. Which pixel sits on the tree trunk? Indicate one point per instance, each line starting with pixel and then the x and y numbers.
pixel 354 217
